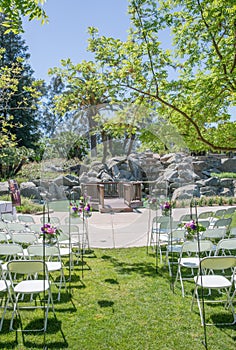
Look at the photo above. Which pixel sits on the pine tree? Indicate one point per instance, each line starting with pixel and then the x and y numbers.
pixel 22 104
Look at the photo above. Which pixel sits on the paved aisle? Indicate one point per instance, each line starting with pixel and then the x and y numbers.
pixel 118 230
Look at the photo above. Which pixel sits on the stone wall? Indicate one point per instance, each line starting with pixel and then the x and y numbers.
pixel 177 174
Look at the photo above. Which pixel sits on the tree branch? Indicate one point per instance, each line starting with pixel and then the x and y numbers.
pixel 185 115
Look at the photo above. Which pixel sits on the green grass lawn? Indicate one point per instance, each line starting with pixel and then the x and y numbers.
pixel 123 303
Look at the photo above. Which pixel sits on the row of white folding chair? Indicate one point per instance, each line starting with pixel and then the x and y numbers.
pixel 197 248
pixel 12 251
pixel 24 280
pixel 177 237
pixel 218 214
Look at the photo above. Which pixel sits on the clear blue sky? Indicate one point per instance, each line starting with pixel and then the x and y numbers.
pixel 65 36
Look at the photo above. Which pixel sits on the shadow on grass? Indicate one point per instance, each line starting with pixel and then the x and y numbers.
pixel 111 281
pixel 105 303
pixel 41 339
pixel 143 268
pixel 32 339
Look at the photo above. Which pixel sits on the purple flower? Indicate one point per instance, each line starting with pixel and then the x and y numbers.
pixel 191 225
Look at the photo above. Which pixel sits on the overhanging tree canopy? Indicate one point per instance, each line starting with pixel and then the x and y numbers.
pixel 192 84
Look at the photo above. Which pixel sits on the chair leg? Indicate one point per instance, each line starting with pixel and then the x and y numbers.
pixel 4 311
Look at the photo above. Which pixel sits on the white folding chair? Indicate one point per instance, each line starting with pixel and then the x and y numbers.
pixel 226 246
pixel 174 247
pixel 10 251
pixel 161 227
pixel 225 222
pixel 214 234
pixel 33 280
pixel 16 227
pixel 83 229
pixel 36 228
pixel 205 215
pixel 208 278
pixel 53 261
pixel 190 257
pixel 24 239
pixel 26 219
pixel 8 217
pixel 4 292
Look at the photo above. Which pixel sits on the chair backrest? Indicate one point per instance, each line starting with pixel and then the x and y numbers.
pixel 197 247
pixel 164 227
pixel 24 237
pixel 187 217
pixel 3 237
pixel 41 250
pixel 218 262
pixel 27 267
pixel 204 223
pixel 10 249
pixel 69 228
pixel 230 211
pixel 177 236
pixel 36 228
pixel 8 217
pixel 73 220
pixel 219 213
pixel 52 219
pixel 3 226
pixel 225 222
pixel 175 224
pixel 205 214
pixel 214 233
pixel 16 226
pixel 26 219
pixel 227 244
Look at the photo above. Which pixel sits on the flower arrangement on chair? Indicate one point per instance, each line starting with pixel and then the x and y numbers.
pixel 165 208
pixel 50 233
pixel 83 208
pixel 192 229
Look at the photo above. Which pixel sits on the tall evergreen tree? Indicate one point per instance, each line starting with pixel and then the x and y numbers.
pixel 23 102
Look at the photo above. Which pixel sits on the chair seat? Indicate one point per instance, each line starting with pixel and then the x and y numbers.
pixel 4 285
pixel 175 248
pixel 53 265
pixel 65 251
pixel 31 286
pixel 163 237
pixel 212 281
pixel 190 262
pixel 68 242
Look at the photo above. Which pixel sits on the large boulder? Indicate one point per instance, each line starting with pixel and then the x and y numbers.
pixel 186 192
pixel 29 189
pixel 4 188
pixel 228 165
